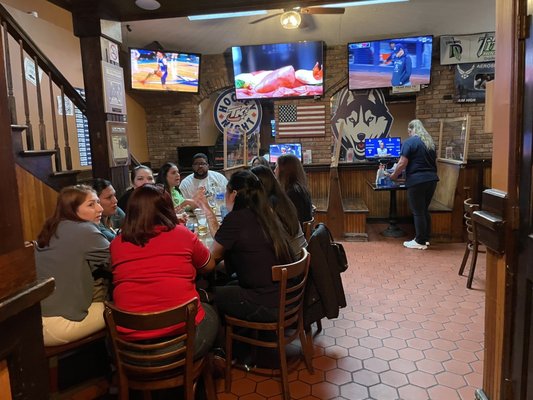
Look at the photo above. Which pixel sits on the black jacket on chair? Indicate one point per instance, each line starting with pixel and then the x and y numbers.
pixel 324 293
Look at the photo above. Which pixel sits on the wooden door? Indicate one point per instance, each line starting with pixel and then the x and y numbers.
pixel 522 344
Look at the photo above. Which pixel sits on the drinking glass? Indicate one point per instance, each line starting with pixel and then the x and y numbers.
pixel 202 221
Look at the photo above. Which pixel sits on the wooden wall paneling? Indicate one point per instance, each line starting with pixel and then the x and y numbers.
pixel 37 202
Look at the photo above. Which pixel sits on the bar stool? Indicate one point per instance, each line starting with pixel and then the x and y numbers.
pixel 472 245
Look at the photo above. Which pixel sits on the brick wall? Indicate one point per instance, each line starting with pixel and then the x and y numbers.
pixel 172 119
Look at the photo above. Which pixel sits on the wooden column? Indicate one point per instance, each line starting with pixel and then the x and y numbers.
pixel 87 28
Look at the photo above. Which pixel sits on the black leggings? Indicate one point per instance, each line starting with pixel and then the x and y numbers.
pixel 419 197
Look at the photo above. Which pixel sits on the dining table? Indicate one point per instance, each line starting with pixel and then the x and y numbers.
pixel 393 230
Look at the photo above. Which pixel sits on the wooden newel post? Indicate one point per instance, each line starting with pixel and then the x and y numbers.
pixel 335 212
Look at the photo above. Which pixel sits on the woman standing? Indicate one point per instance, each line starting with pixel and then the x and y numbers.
pixel 169 177
pixel 140 175
pixel 155 261
pixel 291 176
pixel 251 240
pixel 418 159
pixel 112 214
pixel 71 248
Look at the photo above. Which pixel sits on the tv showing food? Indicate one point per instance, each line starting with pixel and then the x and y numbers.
pixel 278 70
pixel 390 62
pixel 388 147
pixel 163 70
pixel 277 150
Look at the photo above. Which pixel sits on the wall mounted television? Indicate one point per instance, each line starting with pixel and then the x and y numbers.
pixel 164 70
pixel 277 150
pixel 388 147
pixel 278 70
pixel 390 62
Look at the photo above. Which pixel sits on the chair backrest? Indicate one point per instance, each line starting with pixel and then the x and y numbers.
pixel 292 280
pixel 469 208
pixel 144 360
pixel 307 228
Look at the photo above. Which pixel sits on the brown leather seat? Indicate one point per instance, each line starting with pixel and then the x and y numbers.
pixel 161 364
pixel 472 245
pixel 288 327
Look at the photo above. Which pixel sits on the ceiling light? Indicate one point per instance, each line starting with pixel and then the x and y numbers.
pixel 290 19
pixel 360 3
pixel 147 4
pixel 226 15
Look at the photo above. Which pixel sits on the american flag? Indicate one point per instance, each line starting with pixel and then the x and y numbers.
pixel 301 120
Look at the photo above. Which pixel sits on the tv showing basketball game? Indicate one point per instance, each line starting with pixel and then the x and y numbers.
pixel 278 70
pixel 162 70
pixel 277 150
pixel 390 62
pixel 388 147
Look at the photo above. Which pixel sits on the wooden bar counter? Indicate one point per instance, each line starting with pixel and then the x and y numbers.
pixel 359 198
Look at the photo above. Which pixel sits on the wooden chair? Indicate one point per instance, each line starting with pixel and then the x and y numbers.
pixel 307 228
pixel 472 245
pixel 288 327
pixel 161 365
pixel 55 353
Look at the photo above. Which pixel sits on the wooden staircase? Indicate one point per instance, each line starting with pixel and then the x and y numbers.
pixel 39 162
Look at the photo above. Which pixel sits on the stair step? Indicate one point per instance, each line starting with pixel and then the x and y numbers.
pixel 36 153
pixel 18 128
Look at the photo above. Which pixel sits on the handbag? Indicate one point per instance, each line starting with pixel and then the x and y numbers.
pixel 339 254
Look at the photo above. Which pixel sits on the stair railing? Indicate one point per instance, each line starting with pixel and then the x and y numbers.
pixel 58 84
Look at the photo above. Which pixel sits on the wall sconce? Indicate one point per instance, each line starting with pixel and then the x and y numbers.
pixel 290 19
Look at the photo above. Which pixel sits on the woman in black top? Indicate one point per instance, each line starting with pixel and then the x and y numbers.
pixel 291 176
pixel 251 239
pixel 140 175
pixel 418 158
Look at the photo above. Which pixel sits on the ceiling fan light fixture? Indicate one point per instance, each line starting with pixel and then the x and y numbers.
pixel 290 19
pixel 149 5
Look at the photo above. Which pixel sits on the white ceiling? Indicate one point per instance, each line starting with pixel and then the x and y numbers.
pixel 416 17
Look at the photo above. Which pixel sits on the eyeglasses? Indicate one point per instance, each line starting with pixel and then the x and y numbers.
pixel 203 164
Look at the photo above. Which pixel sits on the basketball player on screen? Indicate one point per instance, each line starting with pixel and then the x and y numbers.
pixel 161 71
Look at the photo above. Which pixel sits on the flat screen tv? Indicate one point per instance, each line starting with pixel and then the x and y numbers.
pixel 164 70
pixel 277 150
pixel 278 70
pixel 390 62
pixel 383 148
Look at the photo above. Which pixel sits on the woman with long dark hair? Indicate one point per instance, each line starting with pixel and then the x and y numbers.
pixel 291 176
pixel 154 263
pixel 70 248
pixel 282 206
pixel 139 176
pixel 251 240
pixel 169 176
pixel 112 214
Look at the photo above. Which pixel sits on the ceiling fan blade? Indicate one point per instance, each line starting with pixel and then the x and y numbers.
pixel 321 10
pixel 264 18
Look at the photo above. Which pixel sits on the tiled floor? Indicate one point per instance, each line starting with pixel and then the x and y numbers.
pixel 411 331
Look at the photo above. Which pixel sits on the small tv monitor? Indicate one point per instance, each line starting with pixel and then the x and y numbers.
pixel 278 70
pixel 277 150
pixel 378 148
pixel 390 62
pixel 164 70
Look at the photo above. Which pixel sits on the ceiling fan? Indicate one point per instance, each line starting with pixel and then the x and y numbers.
pixel 291 18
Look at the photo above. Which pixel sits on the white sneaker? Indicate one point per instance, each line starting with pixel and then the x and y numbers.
pixel 412 244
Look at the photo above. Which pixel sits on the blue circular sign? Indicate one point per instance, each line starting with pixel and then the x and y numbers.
pixel 230 113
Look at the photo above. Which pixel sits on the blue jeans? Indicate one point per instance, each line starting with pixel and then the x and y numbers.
pixel 419 197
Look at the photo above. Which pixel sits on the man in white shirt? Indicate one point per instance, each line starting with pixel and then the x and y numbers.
pixel 382 151
pixel 202 177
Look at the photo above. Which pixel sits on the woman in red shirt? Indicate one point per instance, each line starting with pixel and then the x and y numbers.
pixel 154 263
